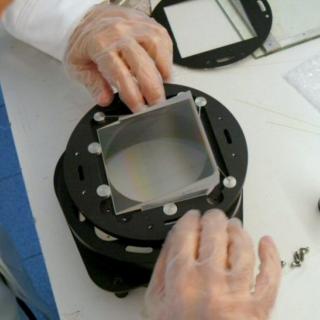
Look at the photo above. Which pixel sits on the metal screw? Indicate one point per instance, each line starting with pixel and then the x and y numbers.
pixel 170 209
pixel 83 192
pixel 104 191
pixel 99 117
pixel 297 257
pixel 220 118
pixel 295 265
pixel 76 154
pixel 95 148
pixel 283 264
pixel 150 226
pixel 230 182
pixel 304 250
pixel 200 102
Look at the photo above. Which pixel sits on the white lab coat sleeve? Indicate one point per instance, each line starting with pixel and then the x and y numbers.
pixel 46 24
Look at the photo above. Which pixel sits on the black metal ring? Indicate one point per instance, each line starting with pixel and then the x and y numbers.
pixel 150 227
pixel 260 16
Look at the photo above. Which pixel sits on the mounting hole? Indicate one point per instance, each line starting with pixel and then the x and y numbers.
pixel 234 155
pixel 262 6
pixel 223 60
pixel 220 118
pixel 103 236
pixel 140 250
pixel 81 173
pixel 170 222
pixel 228 136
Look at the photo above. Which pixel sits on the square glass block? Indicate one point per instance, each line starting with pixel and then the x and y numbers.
pixel 158 156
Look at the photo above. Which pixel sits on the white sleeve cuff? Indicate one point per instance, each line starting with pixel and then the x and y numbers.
pixel 46 24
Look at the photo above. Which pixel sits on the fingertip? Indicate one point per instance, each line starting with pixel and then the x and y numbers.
pixel 167 73
pixel 268 251
pixel 193 213
pixel 167 78
pixel 157 96
pixel 188 220
pixel 138 108
pixel 235 222
pixel 135 104
pixel 267 242
pixel 189 217
pixel 214 219
pixel 104 99
pixel 216 213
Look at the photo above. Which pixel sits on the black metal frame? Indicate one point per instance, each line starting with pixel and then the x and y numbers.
pixel 109 264
pixel 259 14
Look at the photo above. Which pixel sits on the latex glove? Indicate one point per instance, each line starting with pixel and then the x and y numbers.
pixel 206 271
pixel 122 48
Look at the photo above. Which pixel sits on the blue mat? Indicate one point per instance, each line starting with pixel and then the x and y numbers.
pixel 15 213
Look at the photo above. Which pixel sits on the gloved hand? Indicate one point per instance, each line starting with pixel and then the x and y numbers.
pixel 122 48
pixel 206 272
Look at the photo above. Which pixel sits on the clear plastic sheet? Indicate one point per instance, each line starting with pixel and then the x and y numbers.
pixel 306 79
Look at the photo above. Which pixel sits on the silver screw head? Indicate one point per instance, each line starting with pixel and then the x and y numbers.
pixel 229 182
pixel 170 209
pixel 99 117
pixel 95 148
pixel 104 191
pixel 200 102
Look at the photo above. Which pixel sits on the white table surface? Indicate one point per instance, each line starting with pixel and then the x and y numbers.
pixel 281 190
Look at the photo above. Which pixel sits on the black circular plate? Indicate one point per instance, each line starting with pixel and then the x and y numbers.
pixel 84 172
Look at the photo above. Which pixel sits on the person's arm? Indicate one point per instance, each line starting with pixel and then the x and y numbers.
pixel 46 24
